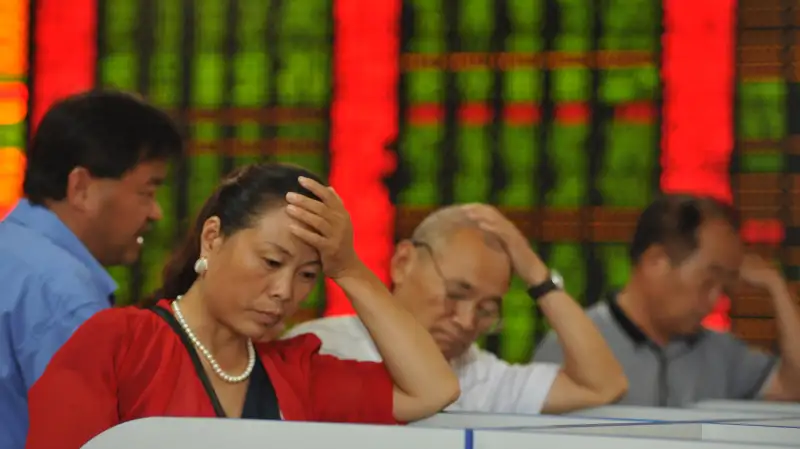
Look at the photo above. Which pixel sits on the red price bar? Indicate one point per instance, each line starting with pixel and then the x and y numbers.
pixel 765 232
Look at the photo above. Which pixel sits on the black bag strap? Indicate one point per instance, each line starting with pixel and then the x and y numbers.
pixel 261 401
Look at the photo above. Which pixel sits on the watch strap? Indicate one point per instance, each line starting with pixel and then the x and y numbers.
pixel 538 291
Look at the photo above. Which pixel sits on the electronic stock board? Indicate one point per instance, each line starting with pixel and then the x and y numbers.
pixel 250 79
pixel 766 162
pixel 13 99
pixel 549 109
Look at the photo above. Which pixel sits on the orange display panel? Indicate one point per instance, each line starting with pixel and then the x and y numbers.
pixel 13 99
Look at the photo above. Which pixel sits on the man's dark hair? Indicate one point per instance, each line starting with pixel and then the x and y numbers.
pixel 108 133
pixel 673 221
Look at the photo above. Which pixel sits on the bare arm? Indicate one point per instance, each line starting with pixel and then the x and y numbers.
pixel 591 375
pixel 785 384
pixel 424 381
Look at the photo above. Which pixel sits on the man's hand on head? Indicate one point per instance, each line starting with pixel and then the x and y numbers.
pixel 527 264
pixel 760 273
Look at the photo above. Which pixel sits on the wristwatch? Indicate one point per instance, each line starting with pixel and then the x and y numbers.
pixel 553 283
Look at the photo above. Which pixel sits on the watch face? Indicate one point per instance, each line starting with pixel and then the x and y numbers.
pixel 555 276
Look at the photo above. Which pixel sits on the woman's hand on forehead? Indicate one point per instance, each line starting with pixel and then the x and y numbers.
pixel 330 229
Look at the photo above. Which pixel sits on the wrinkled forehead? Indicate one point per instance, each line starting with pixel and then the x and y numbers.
pixel 469 257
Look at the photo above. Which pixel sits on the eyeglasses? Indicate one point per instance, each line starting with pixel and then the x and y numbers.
pixel 488 318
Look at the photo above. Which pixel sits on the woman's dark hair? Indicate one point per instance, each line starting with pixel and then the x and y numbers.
pixel 238 200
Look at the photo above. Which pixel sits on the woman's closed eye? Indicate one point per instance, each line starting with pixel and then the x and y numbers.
pixel 272 263
pixel 309 275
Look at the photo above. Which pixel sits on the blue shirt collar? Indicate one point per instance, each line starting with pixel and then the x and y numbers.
pixel 43 221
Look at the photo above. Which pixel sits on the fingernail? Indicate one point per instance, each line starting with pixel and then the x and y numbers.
pixel 291 196
pixel 302 179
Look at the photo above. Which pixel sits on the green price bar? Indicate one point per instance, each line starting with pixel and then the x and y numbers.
pixel 266 98
pixel 627 57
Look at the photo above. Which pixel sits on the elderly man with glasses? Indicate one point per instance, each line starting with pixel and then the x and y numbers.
pixel 452 276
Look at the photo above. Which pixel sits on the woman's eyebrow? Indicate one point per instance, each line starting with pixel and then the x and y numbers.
pixel 280 248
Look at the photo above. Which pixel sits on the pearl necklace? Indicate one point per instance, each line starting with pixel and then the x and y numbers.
pixel 251 352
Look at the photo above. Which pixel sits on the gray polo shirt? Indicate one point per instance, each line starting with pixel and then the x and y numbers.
pixel 708 365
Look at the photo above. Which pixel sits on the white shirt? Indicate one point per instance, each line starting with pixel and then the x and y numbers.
pixel 488 384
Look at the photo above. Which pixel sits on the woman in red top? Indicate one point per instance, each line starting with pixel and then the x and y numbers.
pixel 255 253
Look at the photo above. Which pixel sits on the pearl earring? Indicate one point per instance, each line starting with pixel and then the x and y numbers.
pixel 201 265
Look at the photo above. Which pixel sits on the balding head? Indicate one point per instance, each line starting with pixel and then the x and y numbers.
pixel 441 226
pixel 451 275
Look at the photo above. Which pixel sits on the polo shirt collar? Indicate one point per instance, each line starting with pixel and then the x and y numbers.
pixel 634 332
pixel 43 221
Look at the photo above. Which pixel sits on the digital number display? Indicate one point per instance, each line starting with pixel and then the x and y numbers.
pixel 13 99
pixel 251 79
pixel 767 160
pixel 547 108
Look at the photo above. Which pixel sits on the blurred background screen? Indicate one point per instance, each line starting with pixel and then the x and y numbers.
pixel 549 110
pixel 251 79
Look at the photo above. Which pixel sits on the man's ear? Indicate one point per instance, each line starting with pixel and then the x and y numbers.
pixel 402 261
pixel 82 190
pixel 655 260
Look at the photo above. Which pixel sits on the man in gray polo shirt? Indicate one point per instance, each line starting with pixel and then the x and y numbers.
pixel 685 252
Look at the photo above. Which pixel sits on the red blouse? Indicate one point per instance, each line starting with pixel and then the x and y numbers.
pixel 128 363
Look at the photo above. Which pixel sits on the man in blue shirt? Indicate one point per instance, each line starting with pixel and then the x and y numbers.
pixel 93 168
